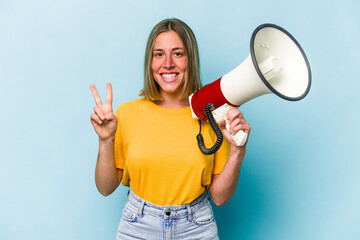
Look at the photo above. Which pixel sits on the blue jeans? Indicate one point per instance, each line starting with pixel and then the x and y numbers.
pixel 143 220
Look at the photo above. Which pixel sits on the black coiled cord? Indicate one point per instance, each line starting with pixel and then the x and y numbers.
pixel 216 129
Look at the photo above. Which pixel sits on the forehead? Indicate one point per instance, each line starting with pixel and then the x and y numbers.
pixel 168 40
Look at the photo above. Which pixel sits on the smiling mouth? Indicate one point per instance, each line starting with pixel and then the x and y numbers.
pixel 169 76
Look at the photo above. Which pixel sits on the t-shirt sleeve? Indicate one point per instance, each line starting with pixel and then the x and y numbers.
pixel 221 157
pixel 118 147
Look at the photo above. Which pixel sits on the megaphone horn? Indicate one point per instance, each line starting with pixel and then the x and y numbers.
pixel 276 64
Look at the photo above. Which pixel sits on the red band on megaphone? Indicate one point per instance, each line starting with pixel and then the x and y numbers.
pixel 210 93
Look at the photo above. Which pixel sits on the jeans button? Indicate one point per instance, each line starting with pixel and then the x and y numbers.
pixel 167 212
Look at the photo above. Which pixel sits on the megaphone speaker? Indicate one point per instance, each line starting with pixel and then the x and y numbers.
pixel 276 64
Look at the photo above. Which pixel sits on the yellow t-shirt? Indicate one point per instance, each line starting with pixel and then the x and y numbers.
pixel 157 148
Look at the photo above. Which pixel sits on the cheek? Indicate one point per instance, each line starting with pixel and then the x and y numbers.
pixel 155 64
pixel 183 65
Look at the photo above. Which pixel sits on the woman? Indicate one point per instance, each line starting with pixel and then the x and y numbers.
pixel 150 145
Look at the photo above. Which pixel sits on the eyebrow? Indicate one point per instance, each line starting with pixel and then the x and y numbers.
pixel 174 49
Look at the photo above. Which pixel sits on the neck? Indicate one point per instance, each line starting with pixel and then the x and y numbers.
pixel 172 102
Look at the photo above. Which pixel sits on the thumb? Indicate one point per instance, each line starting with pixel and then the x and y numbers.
pixel 110 116
pixel 222 124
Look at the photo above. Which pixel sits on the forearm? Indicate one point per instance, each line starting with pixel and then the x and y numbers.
pixel 107 177
pixel 224 184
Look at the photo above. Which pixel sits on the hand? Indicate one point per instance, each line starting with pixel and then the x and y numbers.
pixel 103 118
pixel 237 123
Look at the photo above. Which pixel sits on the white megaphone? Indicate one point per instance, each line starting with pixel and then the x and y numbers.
pixel 276 64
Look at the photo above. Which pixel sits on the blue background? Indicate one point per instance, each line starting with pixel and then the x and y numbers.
pixel 300 178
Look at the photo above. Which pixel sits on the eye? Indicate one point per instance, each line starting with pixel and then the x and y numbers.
pixel 179 54
pixel 158 54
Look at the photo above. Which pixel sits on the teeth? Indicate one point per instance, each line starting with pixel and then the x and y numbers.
pixel 169 75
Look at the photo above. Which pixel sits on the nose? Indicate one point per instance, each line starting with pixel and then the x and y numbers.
pixel 168 62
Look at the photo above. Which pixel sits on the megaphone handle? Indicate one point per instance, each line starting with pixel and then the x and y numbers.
pixel 220 113
pixel 239 138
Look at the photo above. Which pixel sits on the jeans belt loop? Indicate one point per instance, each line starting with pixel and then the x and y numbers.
pixel 190 214
pixel 141 208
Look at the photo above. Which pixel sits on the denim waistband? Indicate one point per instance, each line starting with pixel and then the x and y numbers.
pixel 170 211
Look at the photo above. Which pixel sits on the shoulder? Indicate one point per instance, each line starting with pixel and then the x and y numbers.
pixel 131 105
pixel 136 102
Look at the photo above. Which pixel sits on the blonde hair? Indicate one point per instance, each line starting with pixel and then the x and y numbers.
pixel 192 81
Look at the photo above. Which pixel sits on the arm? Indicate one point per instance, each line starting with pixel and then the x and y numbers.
pixel 223 185
pixel 107 176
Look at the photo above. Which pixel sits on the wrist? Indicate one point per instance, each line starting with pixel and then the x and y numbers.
pixel 108 140
pixel 238 152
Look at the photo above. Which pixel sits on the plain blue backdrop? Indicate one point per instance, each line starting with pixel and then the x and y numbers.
pixel 300 178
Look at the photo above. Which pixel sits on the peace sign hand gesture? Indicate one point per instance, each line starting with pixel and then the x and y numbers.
pixel 103 119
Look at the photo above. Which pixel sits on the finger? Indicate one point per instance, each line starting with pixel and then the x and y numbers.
pixel 222 123
pixel 111 117
pixel 109 95
pixel 233 125
pixel 95 94
pixel 237 121
pixel 95 119
pixel 234 113
pixel 99 112
pixel 242 126
pixel 239 124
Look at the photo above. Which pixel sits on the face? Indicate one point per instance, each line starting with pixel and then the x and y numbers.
pixel 169 63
